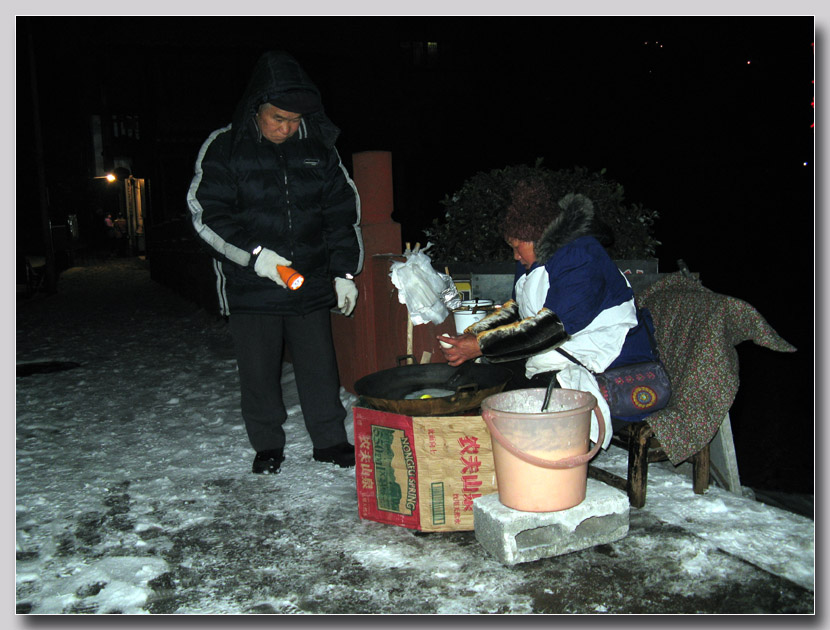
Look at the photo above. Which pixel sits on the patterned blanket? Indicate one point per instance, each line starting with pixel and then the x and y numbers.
pixel 697 331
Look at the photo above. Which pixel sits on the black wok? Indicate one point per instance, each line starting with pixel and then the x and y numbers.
pixel 469 384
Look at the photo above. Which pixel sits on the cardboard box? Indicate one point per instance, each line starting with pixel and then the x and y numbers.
pixel 421 472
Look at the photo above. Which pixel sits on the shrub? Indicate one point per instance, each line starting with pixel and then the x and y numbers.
pixel 469 230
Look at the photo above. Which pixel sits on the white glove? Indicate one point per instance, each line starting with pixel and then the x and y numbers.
pixel 266 266
pixel 346 295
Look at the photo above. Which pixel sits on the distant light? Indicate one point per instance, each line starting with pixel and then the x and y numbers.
pixel 805 164
pixel 748 62
pixel 110 177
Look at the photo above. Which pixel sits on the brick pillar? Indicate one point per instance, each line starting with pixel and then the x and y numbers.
pixel 375 335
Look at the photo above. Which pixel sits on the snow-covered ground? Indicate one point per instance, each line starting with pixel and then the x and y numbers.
pixel 134 495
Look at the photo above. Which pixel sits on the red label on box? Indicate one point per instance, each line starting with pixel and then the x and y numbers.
pixel 421 472
pixel 387 468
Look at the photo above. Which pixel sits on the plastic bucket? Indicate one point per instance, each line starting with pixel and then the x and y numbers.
pixel 470 312
pixel 541 458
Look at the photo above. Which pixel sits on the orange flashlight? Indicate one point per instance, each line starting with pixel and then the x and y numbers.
pixel 291 277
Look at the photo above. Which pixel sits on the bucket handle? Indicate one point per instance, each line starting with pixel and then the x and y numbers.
pixel 568 462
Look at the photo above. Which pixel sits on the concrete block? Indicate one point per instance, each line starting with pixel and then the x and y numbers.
pixel 513 536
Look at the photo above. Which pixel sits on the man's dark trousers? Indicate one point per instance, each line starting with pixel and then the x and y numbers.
pixel 258 340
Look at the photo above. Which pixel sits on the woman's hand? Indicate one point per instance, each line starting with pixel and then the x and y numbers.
pixel 462 348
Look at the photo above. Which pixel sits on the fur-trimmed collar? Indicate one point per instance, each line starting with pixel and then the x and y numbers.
pixel 576 219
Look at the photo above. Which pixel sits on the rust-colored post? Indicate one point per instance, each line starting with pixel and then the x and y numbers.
pixel 375 335
pixel 356 338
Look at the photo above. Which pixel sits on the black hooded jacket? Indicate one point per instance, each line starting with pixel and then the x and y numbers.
pixel 295 198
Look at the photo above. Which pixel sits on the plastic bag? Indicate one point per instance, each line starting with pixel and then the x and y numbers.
pixel 428 294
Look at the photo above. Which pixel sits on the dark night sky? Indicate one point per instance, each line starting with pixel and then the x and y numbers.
pixel 716 144
pixel 713 143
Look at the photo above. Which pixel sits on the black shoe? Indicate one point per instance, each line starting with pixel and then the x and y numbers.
pixel 340 454
pixel 268 462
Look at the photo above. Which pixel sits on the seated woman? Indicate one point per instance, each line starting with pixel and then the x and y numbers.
pixel 568 294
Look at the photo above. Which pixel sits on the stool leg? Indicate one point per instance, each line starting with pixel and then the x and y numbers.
pixel 638 464
pixel 700 470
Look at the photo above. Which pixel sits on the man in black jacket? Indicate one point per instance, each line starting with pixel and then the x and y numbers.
pixel 270 190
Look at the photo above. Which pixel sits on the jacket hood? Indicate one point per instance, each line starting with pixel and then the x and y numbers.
pixel 575 220
pixel 276 73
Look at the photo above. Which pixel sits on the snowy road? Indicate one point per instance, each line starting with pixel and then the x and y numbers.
pixel 134 495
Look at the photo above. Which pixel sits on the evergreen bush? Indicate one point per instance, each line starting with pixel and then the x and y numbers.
pixel 469 230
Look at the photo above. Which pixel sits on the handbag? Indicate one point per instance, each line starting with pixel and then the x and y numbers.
pixel 634 389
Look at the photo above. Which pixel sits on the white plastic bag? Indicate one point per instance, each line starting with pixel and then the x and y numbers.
pixel 427 293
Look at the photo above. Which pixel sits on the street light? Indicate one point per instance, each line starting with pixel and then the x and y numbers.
pixel 130 204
